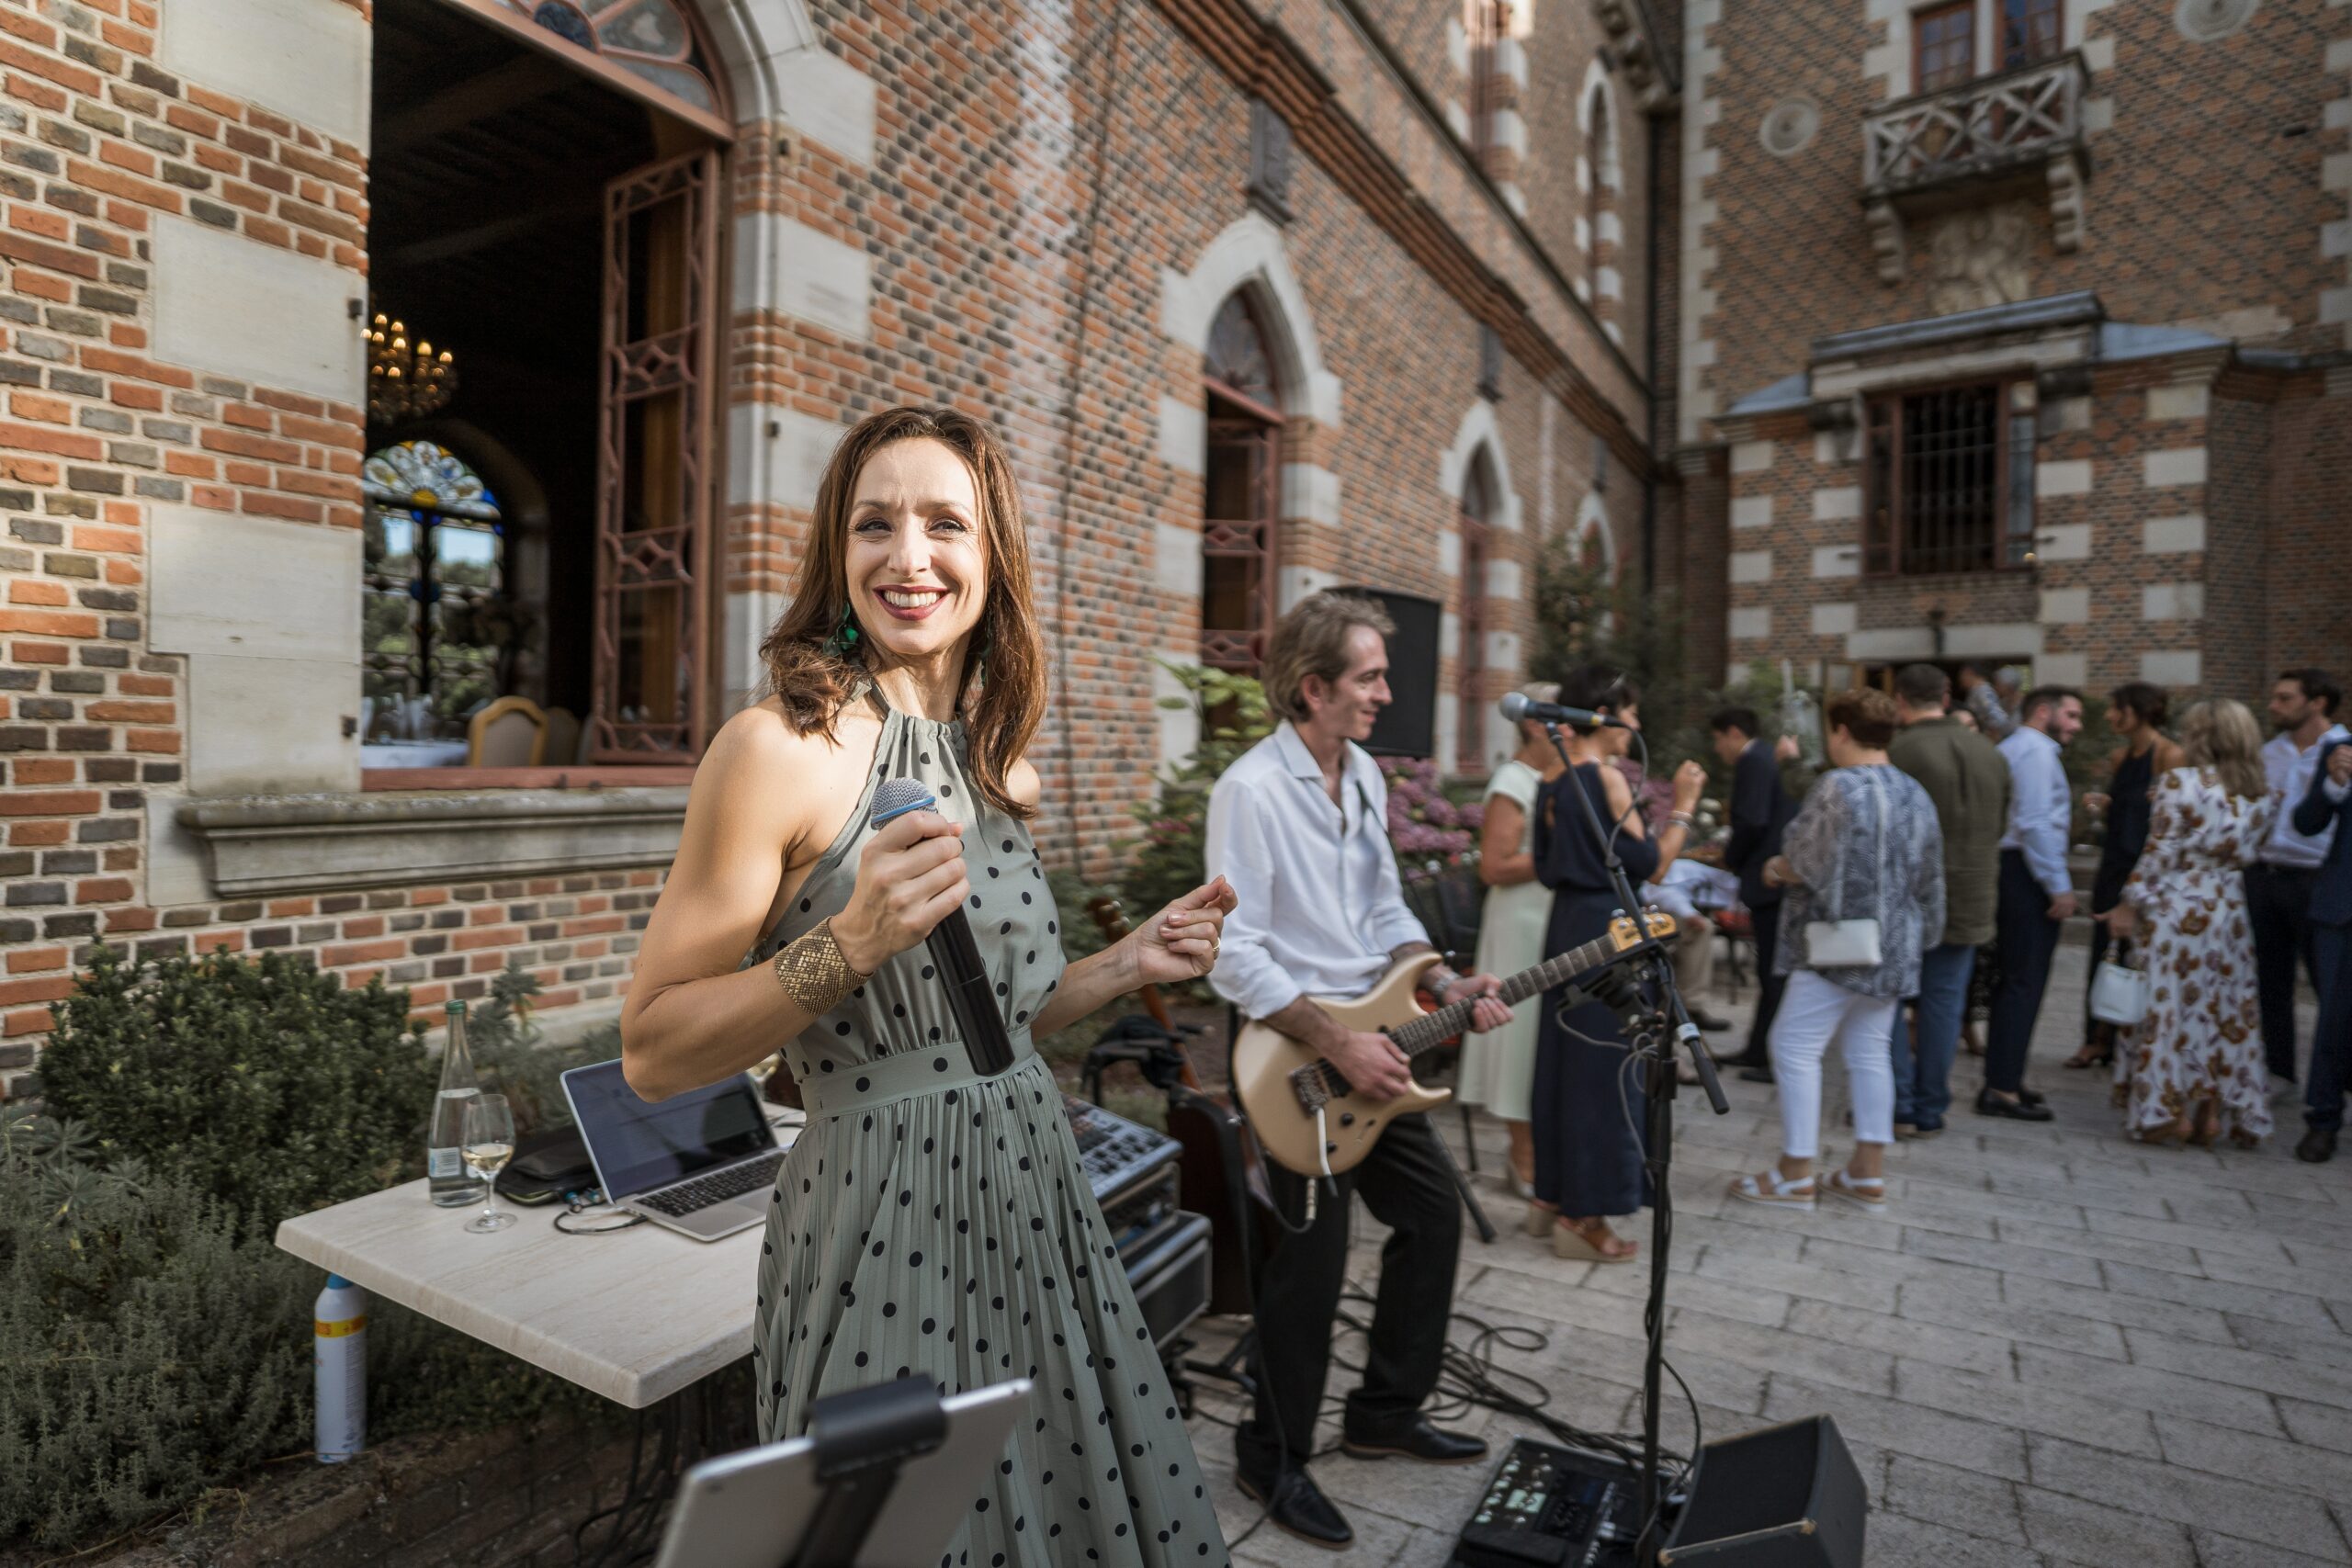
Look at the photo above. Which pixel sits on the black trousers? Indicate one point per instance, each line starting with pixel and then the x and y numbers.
pixel 2277 902
pixel 2025 936
pixel 2332 1041
pixel 1406 1186
pixel 1765 923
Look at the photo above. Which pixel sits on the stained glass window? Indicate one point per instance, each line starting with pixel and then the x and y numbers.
pixel 649 39
pixel 1237 356
pixel 438 630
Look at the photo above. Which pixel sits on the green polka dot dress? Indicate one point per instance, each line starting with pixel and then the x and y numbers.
pixel 933 1224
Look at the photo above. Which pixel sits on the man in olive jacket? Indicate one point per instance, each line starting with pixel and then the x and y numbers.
pixel 1966 777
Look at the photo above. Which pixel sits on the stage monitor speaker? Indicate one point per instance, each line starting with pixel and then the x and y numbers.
pixel 1408 726
pixel 1788 1496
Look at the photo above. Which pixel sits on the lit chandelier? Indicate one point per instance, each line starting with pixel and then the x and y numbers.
pixel 405 381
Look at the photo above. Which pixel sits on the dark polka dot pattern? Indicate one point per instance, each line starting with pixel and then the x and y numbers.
pixel 987 1276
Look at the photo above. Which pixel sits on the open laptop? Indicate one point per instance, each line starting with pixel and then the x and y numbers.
pixel 700 1163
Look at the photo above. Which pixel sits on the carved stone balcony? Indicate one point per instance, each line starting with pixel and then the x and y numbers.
pixel 1964 145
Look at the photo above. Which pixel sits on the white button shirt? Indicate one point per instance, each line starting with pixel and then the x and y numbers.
pixel 2040 808
pixel 2290 772
pixel 1320 904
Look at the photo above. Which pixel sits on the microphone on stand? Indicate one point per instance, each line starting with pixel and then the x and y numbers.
pixel 1517 705
pixel 954 954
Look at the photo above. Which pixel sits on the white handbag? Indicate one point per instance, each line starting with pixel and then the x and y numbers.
pixel 1841 943
pixel 2120 994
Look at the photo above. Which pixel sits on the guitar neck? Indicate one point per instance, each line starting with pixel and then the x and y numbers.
pixel 1434 1028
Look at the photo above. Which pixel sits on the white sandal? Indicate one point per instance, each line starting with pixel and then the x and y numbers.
pixel 1775 1190
pixel 1864 1191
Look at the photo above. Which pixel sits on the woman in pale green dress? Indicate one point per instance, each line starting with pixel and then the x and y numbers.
pixel 1499 1066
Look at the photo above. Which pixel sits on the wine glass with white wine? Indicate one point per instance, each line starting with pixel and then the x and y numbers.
pixel 489 1144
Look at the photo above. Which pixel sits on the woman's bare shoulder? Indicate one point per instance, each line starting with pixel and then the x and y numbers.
pixel 759 765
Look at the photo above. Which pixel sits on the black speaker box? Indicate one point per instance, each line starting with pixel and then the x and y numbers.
pixel 1788 1496
pixel 1408 726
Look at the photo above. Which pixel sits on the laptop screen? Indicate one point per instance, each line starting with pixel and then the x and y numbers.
pixel 639 1146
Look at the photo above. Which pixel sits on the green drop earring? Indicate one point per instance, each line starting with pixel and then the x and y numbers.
pixel 844 635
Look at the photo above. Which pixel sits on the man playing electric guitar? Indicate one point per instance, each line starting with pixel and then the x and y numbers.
pixel 1299 827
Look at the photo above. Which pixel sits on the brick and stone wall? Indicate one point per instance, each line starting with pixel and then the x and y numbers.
pixel 2169 462
pixel 1026 210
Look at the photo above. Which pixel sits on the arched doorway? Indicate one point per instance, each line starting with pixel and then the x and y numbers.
pixel 545 200
pixel 1241 492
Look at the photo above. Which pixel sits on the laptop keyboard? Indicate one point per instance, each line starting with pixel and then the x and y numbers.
pixel 732 1181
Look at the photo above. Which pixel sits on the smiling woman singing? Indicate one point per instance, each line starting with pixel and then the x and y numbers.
pixel 930 1222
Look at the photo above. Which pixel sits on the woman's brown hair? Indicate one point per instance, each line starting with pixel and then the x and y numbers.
pixel 812 677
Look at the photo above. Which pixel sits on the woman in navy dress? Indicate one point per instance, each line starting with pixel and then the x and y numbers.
pixel 1588 1105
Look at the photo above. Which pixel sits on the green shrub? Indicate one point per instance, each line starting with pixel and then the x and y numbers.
pixel 146 1350
pixel 152 1345
pixel 267 1085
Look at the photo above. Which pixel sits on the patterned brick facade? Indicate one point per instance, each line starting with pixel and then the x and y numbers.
pixel 1026 210
pixel 2185 425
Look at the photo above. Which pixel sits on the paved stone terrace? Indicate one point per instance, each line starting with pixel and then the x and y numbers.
pixel 2060 1346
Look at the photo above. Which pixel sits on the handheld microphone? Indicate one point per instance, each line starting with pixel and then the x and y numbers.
pixel 954 954
pixel 1517 705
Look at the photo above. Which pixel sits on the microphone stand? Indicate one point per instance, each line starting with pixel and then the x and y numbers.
pixel 1643 993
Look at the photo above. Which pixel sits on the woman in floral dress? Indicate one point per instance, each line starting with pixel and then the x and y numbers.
pixel 2195 1063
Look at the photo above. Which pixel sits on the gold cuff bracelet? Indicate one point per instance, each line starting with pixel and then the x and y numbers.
pixel 812 970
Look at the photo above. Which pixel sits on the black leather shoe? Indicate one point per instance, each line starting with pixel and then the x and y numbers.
pixel 2017 1110
pixel 1749 1058
pixel 1295 1504
pixel 2031 1095
pixel 2318 1146
pixel 1709 1021
pixel 1756 1075
pixel 1415 1438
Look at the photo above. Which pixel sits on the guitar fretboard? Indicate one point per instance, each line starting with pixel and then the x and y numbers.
pixel 1321 1082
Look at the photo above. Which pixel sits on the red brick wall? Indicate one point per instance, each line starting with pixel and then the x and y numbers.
pixel 989 287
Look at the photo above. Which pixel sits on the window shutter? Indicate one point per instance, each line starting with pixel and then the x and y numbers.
pixel 657 381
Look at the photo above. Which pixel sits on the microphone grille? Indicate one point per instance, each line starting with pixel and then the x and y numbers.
pixel 894 795
pixel 1514 706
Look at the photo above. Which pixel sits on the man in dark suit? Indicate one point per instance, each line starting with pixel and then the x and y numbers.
pixel 2328 802
pixel 1760 810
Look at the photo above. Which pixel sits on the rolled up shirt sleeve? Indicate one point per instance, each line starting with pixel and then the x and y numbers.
pixel 1246 974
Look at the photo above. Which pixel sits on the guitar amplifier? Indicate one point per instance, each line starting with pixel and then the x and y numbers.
pixel 1133 1175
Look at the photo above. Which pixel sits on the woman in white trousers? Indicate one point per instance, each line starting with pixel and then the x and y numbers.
pixel 1863 863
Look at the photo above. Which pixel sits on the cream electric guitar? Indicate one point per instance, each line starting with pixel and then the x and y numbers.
pixel 1282 1084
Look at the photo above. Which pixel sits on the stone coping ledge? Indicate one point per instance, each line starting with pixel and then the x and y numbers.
pixel 285 843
